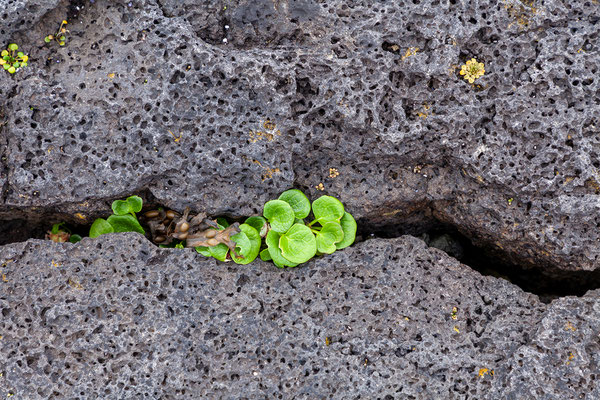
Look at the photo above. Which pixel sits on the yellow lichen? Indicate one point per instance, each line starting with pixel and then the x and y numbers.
pixel 521 11
pixel 569 326
pixel 424 113
pixel 472 70
pixel 176 138
pixel 411 51
pixel 267 171
pixel 454 312
pixel 482 372
pixel 74 284
pixel 268 134
pixel 320 186
pixel 333 173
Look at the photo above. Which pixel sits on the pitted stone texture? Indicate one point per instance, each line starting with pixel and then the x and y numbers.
pixel 565 341
pixel 18 15
pixel 222 105
pixel 116 317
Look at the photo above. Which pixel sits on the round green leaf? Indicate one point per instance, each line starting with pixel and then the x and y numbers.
pixel 258 223
pixel 47 39
pixel 23 64
pixel 6 66
pixel 75 238
pixel 203 250
pixel 252 247
pixel 242 244
pixel 4 53
pixel 135 203
pixel 16 64
pixel 121 207
pixel 125 223
pixel 298 244
pixel 20 54
pixel 298 201
pixel 13 47
pixel 280 215
pixel 12 70
pixel 348 224
pixel 272 241
pixel 100 227
pixel 330 234
pixel 219 251
pixel 327 208
pixel 265 255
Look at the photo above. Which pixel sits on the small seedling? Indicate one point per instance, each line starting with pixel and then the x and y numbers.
pixel 123 219
pixel 60 36
pixel 289 240
pixel 331 229
pixel 13 60
pixel 61 234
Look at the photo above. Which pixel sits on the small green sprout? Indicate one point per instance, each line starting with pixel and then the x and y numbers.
pixel 289 240
pixel 60 36
pixel 123 219
pixel 61 234
pixel 13 60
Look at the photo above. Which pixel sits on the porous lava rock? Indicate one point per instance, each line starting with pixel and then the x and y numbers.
pixel 21 15
pixel 222 105
pixel 117 317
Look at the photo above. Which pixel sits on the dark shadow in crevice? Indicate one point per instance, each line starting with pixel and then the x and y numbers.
pixel 547 283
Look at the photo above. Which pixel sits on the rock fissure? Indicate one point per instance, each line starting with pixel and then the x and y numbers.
pixel 547 283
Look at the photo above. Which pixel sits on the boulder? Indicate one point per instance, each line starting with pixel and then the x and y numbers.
pixel 117 317
pixel 222 105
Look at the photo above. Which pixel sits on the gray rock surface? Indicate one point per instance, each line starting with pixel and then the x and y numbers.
pixel 116 317
pixel 512 161
pixel 22 15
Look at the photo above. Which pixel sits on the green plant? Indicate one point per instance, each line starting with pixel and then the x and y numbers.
pixel 60 36
pixel 289 240
pixel 12 60
pixel 123 219
pixel 331 229
pixel 61 234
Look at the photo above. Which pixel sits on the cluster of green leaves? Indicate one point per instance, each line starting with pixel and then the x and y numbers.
pixel 292 241
pixel 13 60
pixel 122 220
pixel 60 35
pixel 289 240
